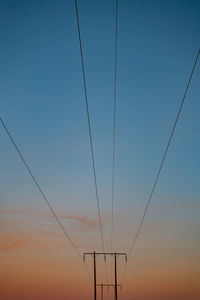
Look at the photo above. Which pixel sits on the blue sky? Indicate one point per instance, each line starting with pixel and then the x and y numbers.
pixel 42 103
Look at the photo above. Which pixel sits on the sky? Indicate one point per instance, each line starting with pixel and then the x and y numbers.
pixel 42 103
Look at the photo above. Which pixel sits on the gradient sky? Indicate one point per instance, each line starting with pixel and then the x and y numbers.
pixel 42 103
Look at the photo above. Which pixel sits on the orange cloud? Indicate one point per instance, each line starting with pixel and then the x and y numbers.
pixel 11 246
pixel 10 241
pixel 79 219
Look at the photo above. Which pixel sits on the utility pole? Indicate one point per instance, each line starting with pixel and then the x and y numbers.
pixel 106 285
pixel 115 258
pixel 95 277
pixel 113 254
pixel 95 273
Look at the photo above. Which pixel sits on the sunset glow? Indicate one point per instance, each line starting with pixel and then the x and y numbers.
pixel 43 106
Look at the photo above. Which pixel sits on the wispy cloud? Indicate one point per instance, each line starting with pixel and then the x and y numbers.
pixel 11 246
pixel 78 218
pixel 13 241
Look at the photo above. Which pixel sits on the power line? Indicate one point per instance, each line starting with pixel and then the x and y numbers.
pixel 89 123
pixel 39 188
pixel 114 121
pixel 42 193
pixel 164 155
pixel 90 131
pixel 162 161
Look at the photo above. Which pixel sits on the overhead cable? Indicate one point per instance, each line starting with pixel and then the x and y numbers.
pixel 164 156
pixel 41 192
pixel 114 123
pixel 38 187
pixel 162 162
pixel 89 124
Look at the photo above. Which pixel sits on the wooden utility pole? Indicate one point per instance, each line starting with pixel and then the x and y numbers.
pixel 113 254
pixel 95 273
pixel 115 258
pixel 95 277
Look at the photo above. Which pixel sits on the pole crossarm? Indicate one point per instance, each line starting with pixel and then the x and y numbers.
pixel 106 253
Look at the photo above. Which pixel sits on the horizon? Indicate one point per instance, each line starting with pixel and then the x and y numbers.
pixel 43 107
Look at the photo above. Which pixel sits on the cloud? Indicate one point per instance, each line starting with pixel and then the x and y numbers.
pixel 10 241
pixel 11 246
pixel 80 219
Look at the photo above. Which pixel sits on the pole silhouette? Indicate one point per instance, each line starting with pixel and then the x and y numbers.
pixel 114 255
